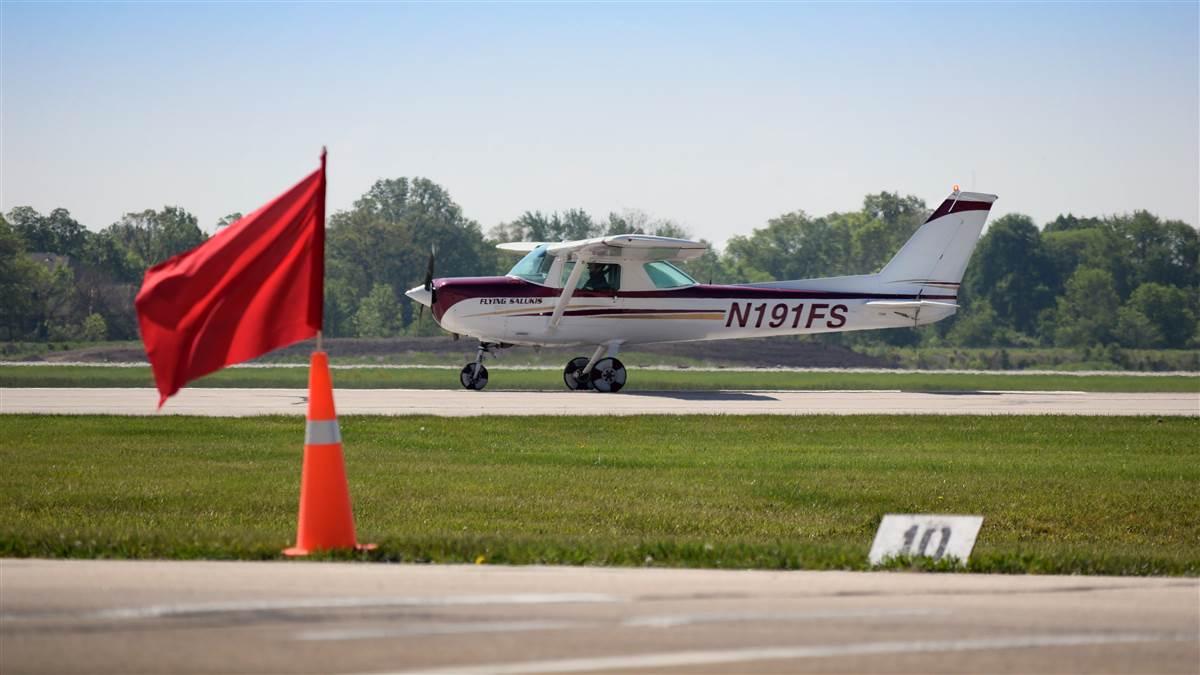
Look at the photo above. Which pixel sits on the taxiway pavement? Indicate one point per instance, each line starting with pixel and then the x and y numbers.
pixel 246 402
pixel 65 616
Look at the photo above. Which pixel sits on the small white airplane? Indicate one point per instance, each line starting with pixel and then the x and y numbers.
pixel 618 291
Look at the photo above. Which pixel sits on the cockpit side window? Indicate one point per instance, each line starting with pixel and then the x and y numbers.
pixel 665 275
pixel 597 276
pixel 535 266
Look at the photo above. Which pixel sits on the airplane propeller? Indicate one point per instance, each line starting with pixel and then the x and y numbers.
pixel 429 282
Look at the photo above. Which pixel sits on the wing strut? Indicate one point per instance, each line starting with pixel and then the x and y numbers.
pixel 568 290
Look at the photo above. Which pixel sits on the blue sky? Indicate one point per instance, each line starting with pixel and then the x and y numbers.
pixel 718 116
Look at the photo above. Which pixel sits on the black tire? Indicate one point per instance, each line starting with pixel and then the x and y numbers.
pixel 571 374
pixel 608 376
pixel 469 380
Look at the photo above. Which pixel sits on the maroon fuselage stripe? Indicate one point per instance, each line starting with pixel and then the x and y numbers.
pixel 453 291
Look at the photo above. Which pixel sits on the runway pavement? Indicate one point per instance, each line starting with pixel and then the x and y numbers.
pixel 300 617
pixel 245 402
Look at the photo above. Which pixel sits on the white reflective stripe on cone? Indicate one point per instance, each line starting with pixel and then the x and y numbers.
pixel 322 433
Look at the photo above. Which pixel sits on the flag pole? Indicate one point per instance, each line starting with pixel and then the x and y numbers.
pixel 320 333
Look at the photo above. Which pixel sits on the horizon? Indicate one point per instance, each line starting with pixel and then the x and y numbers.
pixel 717 117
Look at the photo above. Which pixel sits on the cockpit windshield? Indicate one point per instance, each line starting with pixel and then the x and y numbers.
pixel 535 266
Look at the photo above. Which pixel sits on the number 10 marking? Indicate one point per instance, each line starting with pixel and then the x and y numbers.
pixel 910 535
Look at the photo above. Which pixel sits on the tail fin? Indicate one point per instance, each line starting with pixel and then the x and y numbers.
pixel 936 256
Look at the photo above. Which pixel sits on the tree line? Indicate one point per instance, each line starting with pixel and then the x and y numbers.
pixel 1129 280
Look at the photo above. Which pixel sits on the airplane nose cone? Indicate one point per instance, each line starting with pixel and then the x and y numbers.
pixel 419 294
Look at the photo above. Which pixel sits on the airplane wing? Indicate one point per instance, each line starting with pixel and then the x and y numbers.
pixel 521 247
pixel 631 247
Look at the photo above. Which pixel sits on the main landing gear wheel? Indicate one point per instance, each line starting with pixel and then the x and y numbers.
pixel 572 377
pixel 473 379
pixel 608 375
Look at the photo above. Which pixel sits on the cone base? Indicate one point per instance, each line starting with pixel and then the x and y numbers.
pixel 296 551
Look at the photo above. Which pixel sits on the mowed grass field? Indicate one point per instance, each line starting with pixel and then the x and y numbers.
pixel 639 379
pixel 1059 494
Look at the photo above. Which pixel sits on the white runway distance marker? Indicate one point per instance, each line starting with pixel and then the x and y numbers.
pixel 925 536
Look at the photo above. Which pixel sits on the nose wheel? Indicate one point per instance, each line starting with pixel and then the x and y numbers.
pixel 473 376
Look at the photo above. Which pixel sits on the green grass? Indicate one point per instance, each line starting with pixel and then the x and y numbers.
pixel 1036 358
pixel 1059 494
pixel 639 379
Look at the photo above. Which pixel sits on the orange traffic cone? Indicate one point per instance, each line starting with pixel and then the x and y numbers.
pixel 326 521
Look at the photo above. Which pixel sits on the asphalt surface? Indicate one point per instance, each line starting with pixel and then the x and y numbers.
pixel 301 617
pixel 244 402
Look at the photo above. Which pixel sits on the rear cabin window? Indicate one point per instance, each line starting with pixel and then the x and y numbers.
pixel 535 266
pixel 665 275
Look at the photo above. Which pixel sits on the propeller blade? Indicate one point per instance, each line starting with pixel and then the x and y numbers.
pixel 429 275
pixel 429 272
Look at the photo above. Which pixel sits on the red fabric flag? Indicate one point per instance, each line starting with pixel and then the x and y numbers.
pixel 254 286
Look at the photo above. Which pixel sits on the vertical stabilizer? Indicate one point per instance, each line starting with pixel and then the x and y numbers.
pixel 937 254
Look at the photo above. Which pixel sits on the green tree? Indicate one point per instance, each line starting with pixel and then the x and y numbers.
pixel 890 221
pixel 1010 271
pixel 1087 312
pixel 93 328
pixel 1158 252
pixel 387 237
pixel 150 237
pixel 18 276
pixel 341 304
pixel 1136 331
pixel 977 328
pixel 1168 309
pixel 570 225
pixel 229 219
pixel 379 313
pixel 57 232
pixel 793 246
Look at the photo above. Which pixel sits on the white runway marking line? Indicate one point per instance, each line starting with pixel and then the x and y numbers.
pixel 435 628
pixel 648 621
pixel 201 608
pixel 699 369
pixel 674 620
pixel 685 659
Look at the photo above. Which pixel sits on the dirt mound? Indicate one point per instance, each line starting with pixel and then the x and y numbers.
pixel 782 351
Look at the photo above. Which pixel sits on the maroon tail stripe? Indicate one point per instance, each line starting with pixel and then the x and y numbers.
pixel 950 206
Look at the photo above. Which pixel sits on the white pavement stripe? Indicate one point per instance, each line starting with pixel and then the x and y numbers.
pixel 203 608
pixel 674 620
pixel 435 628
pixel 649 621
pixel 698 369
pixel 248 402
pixel 685 659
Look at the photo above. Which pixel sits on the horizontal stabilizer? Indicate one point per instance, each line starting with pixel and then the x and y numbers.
pixel 919 311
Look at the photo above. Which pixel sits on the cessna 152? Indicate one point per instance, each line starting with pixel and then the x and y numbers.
pixel 622 290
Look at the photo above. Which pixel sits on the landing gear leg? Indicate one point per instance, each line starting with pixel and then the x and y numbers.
pixel 474 375
pixel 577 374
pixel 573 375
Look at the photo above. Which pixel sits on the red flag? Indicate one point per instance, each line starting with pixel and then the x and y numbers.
pixel 254 286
